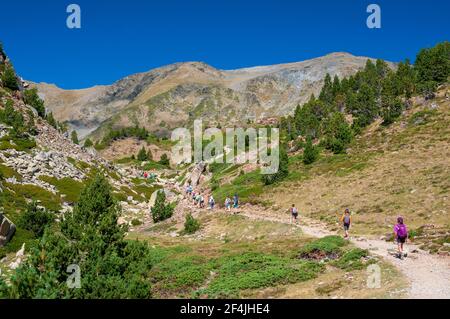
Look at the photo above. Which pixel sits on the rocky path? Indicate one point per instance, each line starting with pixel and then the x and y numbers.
pixel 428 275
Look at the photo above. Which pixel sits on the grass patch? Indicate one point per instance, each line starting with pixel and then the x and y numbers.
pixel 247 186
pixel 8 172
pixel 15 198
pixel 67 186
pixel 20 144
pixel 256 270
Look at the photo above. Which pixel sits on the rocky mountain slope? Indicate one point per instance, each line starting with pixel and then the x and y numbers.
pixel 177 94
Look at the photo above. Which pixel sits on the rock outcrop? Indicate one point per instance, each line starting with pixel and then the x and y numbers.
pixel 7 230
pixel 196 174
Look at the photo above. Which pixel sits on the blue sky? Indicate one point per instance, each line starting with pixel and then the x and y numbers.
pixel 119 38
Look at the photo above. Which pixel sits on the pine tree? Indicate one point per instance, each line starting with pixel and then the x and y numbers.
pixel 164 160
pixel 88 143
pixel 51 120
pixel 31 98
pixel 74 137
pixel 142 155
pixel 90 237
pixel 310 153
pixel 326 94
pixel 9 79
pixel 433 67
pixel 283 168
pixel 149 155
pixel 160 210
pixel 338 133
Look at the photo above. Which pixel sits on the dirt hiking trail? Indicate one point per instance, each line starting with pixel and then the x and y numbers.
pixel 428 275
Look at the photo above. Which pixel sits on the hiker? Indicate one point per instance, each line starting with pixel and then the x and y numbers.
pixel 194 198
pixel 228 203
pixel 346 219
pixel 202 201
pixel 211 202
pixel 145 175
pixel 400 235
pixel 235 201
pixel 197 200
pixel 294 213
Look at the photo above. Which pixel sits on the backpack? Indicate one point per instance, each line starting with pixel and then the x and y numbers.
pixel 401 231
pixel 346 219
pixel 294 210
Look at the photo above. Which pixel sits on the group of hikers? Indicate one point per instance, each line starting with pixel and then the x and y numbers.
pixel 400 230
pixel 199 201
pixel 148 175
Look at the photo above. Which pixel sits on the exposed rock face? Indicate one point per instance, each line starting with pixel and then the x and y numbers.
pixel 175 95
pixel 194 177
pixel 7 230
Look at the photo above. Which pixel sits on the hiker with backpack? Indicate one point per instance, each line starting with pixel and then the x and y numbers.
pixel 202 201
pixel 294 213
pixel 400 235
pixel 211 202
pixel 235 201
pixel 346 219
pixel 197 200
pixel 228 203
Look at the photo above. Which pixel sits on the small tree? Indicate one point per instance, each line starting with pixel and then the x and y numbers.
pixel 9 78
pixel 36 219
pixel 283 168
pixel 164 160
pixel 31 98
pixel 161 211
pixel 310 153
pixel 51 120
pixel 74 137
pixel 13 118
pixel 142 155
pixel 149 155
pixel 191 225
pixel 88 143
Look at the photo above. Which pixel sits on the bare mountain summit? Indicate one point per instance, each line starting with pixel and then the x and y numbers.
pixel 175 95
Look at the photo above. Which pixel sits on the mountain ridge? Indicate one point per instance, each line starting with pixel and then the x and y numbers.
pixel 171 96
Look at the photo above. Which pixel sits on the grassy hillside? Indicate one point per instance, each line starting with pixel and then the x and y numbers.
pixel 401 169
pixel 234 257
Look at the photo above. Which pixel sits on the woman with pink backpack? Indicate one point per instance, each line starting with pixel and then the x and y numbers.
pixel 401 235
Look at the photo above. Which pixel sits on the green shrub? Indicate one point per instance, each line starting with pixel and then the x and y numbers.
pixel 136 222
pixel 310 153
pixel 326 245
pixel 9 78
pixel 161 211
pixel 164 160
pixel 283 168
pixel 142 155
pixel 74 137
pixel 111 267
pixel 256 270
pixel 88 143
pixel 191 225
pixel 67 186
pixel 351 260
pixel 31 98
pixel 36 219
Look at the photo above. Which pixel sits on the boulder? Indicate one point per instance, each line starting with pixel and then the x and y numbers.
pixel 7 230
pixel 197 172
